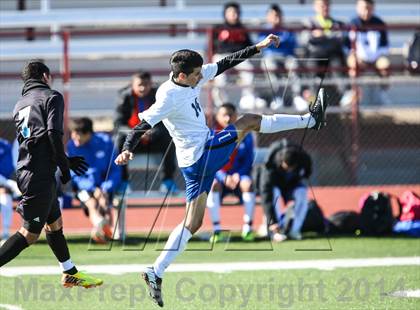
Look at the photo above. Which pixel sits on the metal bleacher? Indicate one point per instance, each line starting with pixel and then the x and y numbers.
pixel 191 17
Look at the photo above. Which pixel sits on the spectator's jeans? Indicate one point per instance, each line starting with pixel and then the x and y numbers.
pixel 381 65
pixel 159 142
pixel 300 197
pixel 245 73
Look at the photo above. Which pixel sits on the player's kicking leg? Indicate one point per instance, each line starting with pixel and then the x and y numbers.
pixel 315 119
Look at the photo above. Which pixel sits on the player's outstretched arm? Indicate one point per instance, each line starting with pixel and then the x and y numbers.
pixel 131 142
pixel 268 40
pixel 239 56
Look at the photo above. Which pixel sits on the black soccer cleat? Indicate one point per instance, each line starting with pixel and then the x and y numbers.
pixel 154 285
pixel 318 109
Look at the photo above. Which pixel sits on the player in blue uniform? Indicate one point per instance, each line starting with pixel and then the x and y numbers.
pixel 199 153
pixel 8 188
pixel 233 178
pixel 95 188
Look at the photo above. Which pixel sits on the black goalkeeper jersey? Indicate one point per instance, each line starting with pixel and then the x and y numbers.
pixel 39 110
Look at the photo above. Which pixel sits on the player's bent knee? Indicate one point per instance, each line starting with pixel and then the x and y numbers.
pixel 194 226
pixel 248 121
pixel 246 186
pixel 30 237
pixel 55 226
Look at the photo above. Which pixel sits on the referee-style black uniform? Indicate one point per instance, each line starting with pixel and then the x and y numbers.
pixel 39 111
pixel 38 116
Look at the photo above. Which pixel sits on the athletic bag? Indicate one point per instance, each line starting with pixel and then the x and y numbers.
pixel 344 222
pixel 314 220
pixel 376 214
pixel 410 206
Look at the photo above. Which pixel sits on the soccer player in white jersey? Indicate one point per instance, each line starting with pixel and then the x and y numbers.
pixel 200 154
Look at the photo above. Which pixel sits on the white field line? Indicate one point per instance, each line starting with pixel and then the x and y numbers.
pixel 406 294
pixel 322 264
pixel 10 307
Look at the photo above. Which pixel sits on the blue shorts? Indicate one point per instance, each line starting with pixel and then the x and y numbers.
pixel 199 176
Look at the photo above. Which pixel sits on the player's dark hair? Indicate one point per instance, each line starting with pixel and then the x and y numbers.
pixel 276 8
pixel 372 2
pixel 143 75
pixel 234 5
pixel 228 106
pixel 185 61
pixel 34 70
pixel 82 125
pixel 289 155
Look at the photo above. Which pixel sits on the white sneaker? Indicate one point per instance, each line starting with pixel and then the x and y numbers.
pixel 262 231
pixel 347 98
pixel 278 237
pixel 250 102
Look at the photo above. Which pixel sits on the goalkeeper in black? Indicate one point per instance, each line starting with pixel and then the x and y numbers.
pixel 38 116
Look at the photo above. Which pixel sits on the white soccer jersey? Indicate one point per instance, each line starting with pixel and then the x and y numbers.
pixel 179 109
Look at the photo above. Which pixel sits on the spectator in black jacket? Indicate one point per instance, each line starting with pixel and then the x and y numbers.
pixel 231 37
pixel 283 175
pixel 133 99
pixel 372 46
pixel 325 47
pixel 326 41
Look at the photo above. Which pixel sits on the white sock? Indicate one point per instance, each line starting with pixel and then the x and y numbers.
pixel 281 122
pixel 6 206
pixel 67 265
pixel 249 205
pixel 176 243
pixel 98 222
pixel 213 205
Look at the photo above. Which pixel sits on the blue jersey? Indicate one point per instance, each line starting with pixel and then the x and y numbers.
pixel 240 161
pixel 287 43
pixel 100 154
pixel 6 162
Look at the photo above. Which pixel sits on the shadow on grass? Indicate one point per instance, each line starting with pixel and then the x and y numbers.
pixel 140 239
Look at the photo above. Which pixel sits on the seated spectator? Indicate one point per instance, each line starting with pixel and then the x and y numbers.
pixel 95 189
pixel 8 188
pixel 283 175
pixel 230 37
pixel 372 46
pixel 325 45
pixel 326 40
pixel 133 99
pixel 233 178
pixel 281 57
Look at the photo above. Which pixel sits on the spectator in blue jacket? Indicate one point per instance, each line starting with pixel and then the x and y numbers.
pixel 281 57
pixel 95 189
pixel 8 188
pixel 233 178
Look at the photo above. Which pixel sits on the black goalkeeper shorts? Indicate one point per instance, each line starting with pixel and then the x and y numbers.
pixel 39 204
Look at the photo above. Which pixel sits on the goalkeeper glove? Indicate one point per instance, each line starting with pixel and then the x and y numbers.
pixel 78 165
